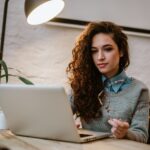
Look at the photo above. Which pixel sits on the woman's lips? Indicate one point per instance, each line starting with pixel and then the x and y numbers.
pixel 103 65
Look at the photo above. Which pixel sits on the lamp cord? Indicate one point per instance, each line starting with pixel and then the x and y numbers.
pixel 3 30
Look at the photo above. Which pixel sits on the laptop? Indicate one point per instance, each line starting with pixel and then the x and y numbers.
pixel 42 111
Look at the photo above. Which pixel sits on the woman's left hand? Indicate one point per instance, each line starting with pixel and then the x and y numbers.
pixel 119 128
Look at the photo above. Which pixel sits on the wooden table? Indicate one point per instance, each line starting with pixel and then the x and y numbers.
pixel 25 143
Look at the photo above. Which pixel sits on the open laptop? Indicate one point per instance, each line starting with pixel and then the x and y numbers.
pixel 42 111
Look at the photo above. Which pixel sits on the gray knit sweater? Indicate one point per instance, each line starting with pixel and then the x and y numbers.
pixel 131 105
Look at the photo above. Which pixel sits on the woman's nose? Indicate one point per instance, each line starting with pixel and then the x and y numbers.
pixel 101 55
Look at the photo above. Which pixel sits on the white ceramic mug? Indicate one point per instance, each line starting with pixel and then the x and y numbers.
pixel 3 124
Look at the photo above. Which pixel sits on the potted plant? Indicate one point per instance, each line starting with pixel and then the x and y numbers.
pixel 6 75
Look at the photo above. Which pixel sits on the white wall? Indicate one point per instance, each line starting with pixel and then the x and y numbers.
pixel 42 52
pixel 132 13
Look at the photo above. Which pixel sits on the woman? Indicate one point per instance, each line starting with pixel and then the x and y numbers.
pixel 104 97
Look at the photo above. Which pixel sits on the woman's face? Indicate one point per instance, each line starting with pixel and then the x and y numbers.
pixel 105 54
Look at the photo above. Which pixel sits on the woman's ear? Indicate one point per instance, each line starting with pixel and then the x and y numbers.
pixel 121 53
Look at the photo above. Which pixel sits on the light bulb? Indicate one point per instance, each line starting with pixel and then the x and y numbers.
pixel 45 12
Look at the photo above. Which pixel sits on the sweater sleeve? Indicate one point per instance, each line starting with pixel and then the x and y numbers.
pixel 138 130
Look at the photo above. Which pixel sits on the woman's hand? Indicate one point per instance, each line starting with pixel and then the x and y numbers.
pixel 77 121
pixel 119 128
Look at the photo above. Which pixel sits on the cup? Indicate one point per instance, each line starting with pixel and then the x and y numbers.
pixel 3 124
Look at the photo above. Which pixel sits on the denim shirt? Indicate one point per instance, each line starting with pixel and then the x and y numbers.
pixel 116 83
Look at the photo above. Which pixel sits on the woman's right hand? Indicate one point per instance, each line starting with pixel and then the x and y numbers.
pixel 78 126
pixel 77 122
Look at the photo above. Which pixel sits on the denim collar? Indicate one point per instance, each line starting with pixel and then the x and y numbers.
pixel 114 84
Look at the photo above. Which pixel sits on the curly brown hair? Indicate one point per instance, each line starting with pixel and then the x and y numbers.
pixel 84 77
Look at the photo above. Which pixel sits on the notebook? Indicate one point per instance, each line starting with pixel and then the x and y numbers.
pixel 42 111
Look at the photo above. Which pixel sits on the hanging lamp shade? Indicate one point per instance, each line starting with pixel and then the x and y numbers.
pixel 41 11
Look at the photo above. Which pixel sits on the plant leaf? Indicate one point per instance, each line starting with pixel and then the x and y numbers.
pixel 26 81
pixel 3 64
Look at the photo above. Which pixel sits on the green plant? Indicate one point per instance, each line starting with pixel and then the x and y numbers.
pixel 6 74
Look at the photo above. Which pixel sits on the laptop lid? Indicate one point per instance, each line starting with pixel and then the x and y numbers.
pixel 39 111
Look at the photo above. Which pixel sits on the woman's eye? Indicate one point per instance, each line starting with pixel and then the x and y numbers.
pixel 93 50
pixel 108 49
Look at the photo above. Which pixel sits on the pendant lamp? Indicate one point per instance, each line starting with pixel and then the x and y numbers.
pixel 41 11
